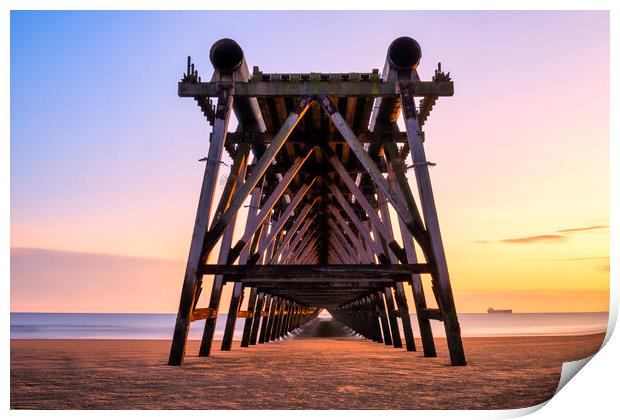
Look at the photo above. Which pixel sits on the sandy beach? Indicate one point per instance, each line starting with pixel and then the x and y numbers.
pixel 321 368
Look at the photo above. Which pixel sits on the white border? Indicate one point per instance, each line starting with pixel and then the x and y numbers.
pixel 592 394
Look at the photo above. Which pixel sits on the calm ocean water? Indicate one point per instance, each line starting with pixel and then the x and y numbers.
pixel 160 326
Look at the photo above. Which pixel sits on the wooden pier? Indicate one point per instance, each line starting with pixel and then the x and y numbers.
pixel 320 163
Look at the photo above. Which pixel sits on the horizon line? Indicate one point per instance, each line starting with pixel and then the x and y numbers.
pixel 226 313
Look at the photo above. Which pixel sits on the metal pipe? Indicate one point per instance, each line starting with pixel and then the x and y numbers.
pixel 226 55
pixel 401 63
pixel 404 53
pixel 229 63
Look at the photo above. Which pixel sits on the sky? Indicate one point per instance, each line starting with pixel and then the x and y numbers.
pixel 104 154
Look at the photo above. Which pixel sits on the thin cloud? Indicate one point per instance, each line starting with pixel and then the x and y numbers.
pixel 569 259
pixel 583 229
pixel 535 239
pixel 557 237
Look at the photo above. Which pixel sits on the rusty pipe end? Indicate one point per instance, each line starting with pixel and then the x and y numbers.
pixel 226 55
pixel 404 53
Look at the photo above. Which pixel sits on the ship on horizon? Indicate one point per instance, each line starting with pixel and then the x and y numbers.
pixel 499 311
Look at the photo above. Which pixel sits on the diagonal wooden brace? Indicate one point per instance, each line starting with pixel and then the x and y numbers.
pixel 220 223
pixel 363 201
pixel 270 203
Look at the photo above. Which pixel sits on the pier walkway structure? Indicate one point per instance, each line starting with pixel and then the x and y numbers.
pixel 320 164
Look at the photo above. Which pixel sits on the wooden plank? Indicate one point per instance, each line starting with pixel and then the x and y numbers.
pixel 245 314
pixel 203 313
pixel 333 88
pixel 430 313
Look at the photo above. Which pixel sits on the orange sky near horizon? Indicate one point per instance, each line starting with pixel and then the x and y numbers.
pixel 521 182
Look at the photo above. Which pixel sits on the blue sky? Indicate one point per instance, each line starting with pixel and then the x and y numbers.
pixel 104 153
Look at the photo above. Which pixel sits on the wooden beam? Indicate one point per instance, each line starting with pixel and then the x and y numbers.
pixel 360 250
pixel 426 332
pixel 236 175
pixel 269 305
pixel 418 155
pixel 255 138
pixel 369 164
pixel 356 221
pixel 277 227
pixel 281 271
pixel 258 312
pixel 431 313
pixel 305 248
pixel 399 292
pixel 237 294
pixel 398 180
pixel 220 223
pixel 271 202
pixel 203 213
pixel 363 201
pixel 292 238
pixel 203 313
pixel 375 88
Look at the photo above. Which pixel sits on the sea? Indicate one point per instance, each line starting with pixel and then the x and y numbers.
pixel 160 326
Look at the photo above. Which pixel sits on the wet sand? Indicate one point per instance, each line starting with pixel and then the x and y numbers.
pixel 323 367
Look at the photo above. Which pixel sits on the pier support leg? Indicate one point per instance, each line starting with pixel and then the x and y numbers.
pixel 396 170
pixel 237 295
pixel 387 336
pixel 260 301
pixel 237 173
pixel 203 214
pixel 265 319
pixel 414 137
pixel 247 327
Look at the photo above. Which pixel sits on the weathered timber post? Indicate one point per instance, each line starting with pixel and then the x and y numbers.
pixel 190 282
pixel 425 190
pixel 236 174
pixel 257 317
pixel 399 291
pixel 269 305
pixel 387 336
